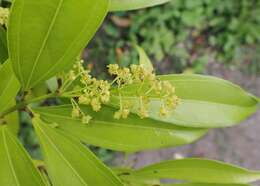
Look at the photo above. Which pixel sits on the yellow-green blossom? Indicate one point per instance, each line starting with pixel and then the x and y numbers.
pixel 86 119
pixel 75 113
pixel 4 13
pixel 138 74
pixel 93 92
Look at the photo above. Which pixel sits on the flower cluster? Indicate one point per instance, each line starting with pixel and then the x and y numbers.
pixel 134 74
pixel 169 98
pixel 88 90
pixel 78 113
pixel 83 89
pixel 139 74
pixel 4 13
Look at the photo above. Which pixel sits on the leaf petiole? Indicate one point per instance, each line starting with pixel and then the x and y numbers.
pixel 23 104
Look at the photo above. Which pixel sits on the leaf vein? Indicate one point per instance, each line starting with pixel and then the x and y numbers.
pixel 44 41
pixel 9 158
pixel 61 155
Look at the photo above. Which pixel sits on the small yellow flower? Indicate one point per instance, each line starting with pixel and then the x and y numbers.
pixel 86 119
pixel 143 113
pixel 171 101
pixel 125 77
pixel 75 113
pixel 4 13
pixel 117 115
pixel 113 69
pixel 72 75
pixel 125 113
pixel 163 111
pixel 84 100
pixel 157 85
pixel 168 88
pixel 96 105
pixel 105 97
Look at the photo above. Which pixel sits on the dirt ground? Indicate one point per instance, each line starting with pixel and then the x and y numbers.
pixel 239 145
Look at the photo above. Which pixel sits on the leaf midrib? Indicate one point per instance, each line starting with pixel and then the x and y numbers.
pixel 61 155
pixel 188 100
pixel 17 53
pixel 120 125
pixel 247 175
pixel 45 39
pixel 61 58
pixel 26 158
pixel 96 167
pixel 9 158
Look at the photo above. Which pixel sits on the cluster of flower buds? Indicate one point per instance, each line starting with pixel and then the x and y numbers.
pixel 139 74
pixel 83 89
pixel 123 112
pixel 4 13
pixel 169 98
pixel 134 74
pixel 78 113
pixel 88 90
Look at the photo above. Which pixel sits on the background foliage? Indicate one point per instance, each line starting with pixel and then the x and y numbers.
pixel 185 34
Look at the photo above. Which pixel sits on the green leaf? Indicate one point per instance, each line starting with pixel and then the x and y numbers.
pixel 69 162
pixel 9 86
pixel 12 121
pixel 3 45
pixel 204 184
pixel 119 5
pixel 144 59
pixel 198 170
pixel 46 36
pixel 206 102
pixel 52 84
pixel 189 184
pixel 130 135
pixel 17 168
pixel 126 175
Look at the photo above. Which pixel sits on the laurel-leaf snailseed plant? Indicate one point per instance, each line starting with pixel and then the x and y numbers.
pixel 40 46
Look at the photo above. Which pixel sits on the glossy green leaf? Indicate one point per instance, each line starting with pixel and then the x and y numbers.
pixel 130 135
pixel 52 84
pixel 198 170
pixel 46 36
pixel 69 162
pixel 204 184
pixel 206 102
pixel 119 5
pixel 126 175
pixel 39 90
pixel 188 184
pixel 12 121
pixel 9 87
pixel 17 168
pixel 144 59
pixel 3 45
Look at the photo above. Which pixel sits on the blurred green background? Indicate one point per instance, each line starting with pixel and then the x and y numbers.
pixel 183 35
